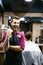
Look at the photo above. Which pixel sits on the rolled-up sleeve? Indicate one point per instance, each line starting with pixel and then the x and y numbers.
pixel 22 41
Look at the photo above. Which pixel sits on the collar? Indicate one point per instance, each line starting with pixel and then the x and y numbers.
pixel 16 33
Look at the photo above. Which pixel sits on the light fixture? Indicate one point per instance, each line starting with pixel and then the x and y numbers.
pixel 1 3
pixel 28 0
pixel 22 19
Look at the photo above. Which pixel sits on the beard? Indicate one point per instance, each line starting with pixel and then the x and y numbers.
pixel 15 28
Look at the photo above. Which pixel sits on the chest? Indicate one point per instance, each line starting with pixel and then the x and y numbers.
pixel 15 39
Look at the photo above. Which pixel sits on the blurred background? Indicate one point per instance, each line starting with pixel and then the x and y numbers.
pixel 21 5
pixel 31 19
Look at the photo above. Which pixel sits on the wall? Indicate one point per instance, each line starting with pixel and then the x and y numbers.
pixel 6 14
pixel 30 14
pixel 36 26
pixel 36 30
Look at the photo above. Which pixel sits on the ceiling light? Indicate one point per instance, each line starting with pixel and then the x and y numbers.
pixel 28 0
pixel 1 3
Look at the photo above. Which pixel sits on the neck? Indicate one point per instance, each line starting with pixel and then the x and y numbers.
pixel 14 32
pixel 28 39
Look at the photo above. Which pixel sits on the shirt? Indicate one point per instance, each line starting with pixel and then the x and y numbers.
pixel 31 46
pixel 21 36
pixel 31 54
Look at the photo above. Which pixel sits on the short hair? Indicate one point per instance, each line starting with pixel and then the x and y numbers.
pixel 16 17
pixel 28 35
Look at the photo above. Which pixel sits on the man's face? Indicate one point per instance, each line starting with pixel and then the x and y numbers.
pixel 15 24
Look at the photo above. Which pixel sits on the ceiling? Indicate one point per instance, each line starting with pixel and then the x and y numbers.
pixel 22 6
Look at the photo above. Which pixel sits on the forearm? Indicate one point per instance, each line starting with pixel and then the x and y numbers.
pixel 15 48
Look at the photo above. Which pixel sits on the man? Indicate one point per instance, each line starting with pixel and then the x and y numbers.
pixel 31 54
pixel 16 44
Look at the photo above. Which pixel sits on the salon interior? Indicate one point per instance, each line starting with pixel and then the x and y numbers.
pixel 31 19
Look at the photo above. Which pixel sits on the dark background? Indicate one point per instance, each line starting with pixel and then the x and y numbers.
pixel 22 6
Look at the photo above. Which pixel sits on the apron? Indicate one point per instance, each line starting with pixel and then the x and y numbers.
pixel 13 57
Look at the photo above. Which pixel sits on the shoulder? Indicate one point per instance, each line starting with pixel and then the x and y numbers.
pixel 20 34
